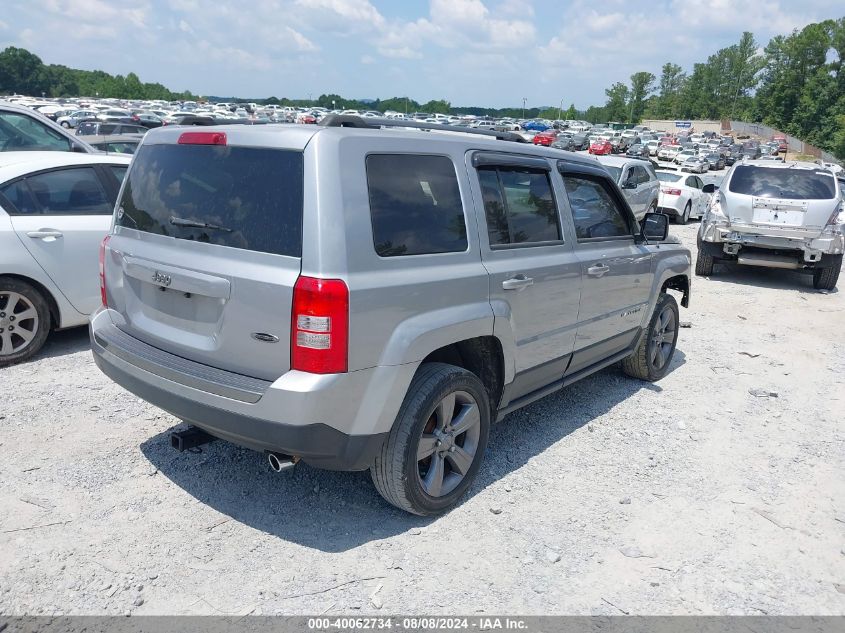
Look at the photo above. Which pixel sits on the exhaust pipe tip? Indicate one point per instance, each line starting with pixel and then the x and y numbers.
pixel 279 462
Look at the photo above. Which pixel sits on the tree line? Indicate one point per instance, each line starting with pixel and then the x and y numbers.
pixel 796 84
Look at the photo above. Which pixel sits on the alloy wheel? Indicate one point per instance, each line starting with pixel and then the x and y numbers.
pixel 18 322
pixel 662 338
pixel 448 445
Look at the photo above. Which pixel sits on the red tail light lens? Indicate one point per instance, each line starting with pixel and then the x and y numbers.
pixel 672 192
pixel 320 326
pixel 103 245
pixel 202 138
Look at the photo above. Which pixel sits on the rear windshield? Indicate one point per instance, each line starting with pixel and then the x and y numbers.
pixel 665 177
pixel 242 197
pixel 614 172
pixel 794 184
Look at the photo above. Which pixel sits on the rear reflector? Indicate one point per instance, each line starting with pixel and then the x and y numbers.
pixel 320 326
pixel 202 138
pixel 103 245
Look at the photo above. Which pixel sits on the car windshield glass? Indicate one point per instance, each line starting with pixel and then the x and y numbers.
pixel 771 182
pixel 183 191
pixel 664 177
pixel 615 172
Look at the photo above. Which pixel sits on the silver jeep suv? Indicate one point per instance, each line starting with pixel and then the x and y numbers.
pixel 361 296
pixel 777 215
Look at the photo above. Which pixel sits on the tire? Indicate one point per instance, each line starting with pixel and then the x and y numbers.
pixel 399 474
pixel 651 360
pixel 704 264
pixel 826 278
pixel 65 125
pixel 24 321
pixel 684 217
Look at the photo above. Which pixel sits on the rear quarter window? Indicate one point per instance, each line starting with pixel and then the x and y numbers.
pixel 415 205
pixel 241 197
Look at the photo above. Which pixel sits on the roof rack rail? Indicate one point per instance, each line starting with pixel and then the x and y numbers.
pixel 373 123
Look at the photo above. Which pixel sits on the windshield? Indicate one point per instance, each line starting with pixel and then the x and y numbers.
pixel 666 177
pixel 794 184
pixel 243 197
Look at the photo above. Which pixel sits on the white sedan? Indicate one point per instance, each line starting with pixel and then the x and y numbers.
pixel 681 196
pixel 55 210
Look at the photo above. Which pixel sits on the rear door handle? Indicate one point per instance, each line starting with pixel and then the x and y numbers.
pixel 597 270
pixel 517 283
pixel 44 233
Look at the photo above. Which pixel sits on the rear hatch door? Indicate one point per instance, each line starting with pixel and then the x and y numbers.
pixel 782 198
pixel 206 252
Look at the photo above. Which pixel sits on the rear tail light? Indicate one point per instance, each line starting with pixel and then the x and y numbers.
pixel 672 192
pixel 320 326
pixel 103 246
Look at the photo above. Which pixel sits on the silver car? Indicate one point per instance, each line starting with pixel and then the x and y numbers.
pixel 775 215
pixel 361 298
pixel 638 181
pixel 697 164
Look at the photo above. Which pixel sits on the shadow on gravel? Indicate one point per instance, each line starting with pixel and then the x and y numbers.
pixel 64 342
pixel 757 276
pixel 336 511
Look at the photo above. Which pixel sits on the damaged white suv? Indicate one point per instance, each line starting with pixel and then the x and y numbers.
pixel 777 215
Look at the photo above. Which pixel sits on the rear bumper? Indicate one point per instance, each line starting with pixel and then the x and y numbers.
pixel 337 422
pixel 812 247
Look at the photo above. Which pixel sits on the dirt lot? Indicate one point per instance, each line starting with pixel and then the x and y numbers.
pixel 688 496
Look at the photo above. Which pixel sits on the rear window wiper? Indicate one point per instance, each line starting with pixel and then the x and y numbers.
pixel 197 224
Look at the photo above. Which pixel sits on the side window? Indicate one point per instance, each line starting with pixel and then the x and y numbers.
pixel 18 194
pixel 19 132
pixel 519 206
pixel 642 175
pixel 698 182
pixel 594 210
pixel 70 192
pixel 415 205
pixel 119 171
pixel 690 181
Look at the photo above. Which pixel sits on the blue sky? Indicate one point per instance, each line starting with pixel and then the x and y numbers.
pixel 469 52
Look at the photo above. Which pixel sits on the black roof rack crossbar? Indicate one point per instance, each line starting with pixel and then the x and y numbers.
pixel 350 120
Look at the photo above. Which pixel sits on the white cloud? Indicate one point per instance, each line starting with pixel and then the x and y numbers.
pixel 301 43
pixel 342 16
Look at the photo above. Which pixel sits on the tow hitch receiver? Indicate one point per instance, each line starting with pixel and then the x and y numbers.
pixel 189 438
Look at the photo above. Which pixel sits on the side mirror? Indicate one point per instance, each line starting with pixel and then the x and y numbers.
pixel 709 188
pixel 655 227
pixel 629 185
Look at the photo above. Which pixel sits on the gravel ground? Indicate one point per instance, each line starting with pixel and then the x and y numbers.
pixel 613 496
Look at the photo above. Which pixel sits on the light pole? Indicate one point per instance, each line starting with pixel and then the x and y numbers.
pixel 560 110
pixel 523 107
pixel 738 83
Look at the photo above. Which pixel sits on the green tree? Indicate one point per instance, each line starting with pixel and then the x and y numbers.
pixel 616 108
pixel 437 107
pixel 667 103
pixel 22 72
pixel 642 85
